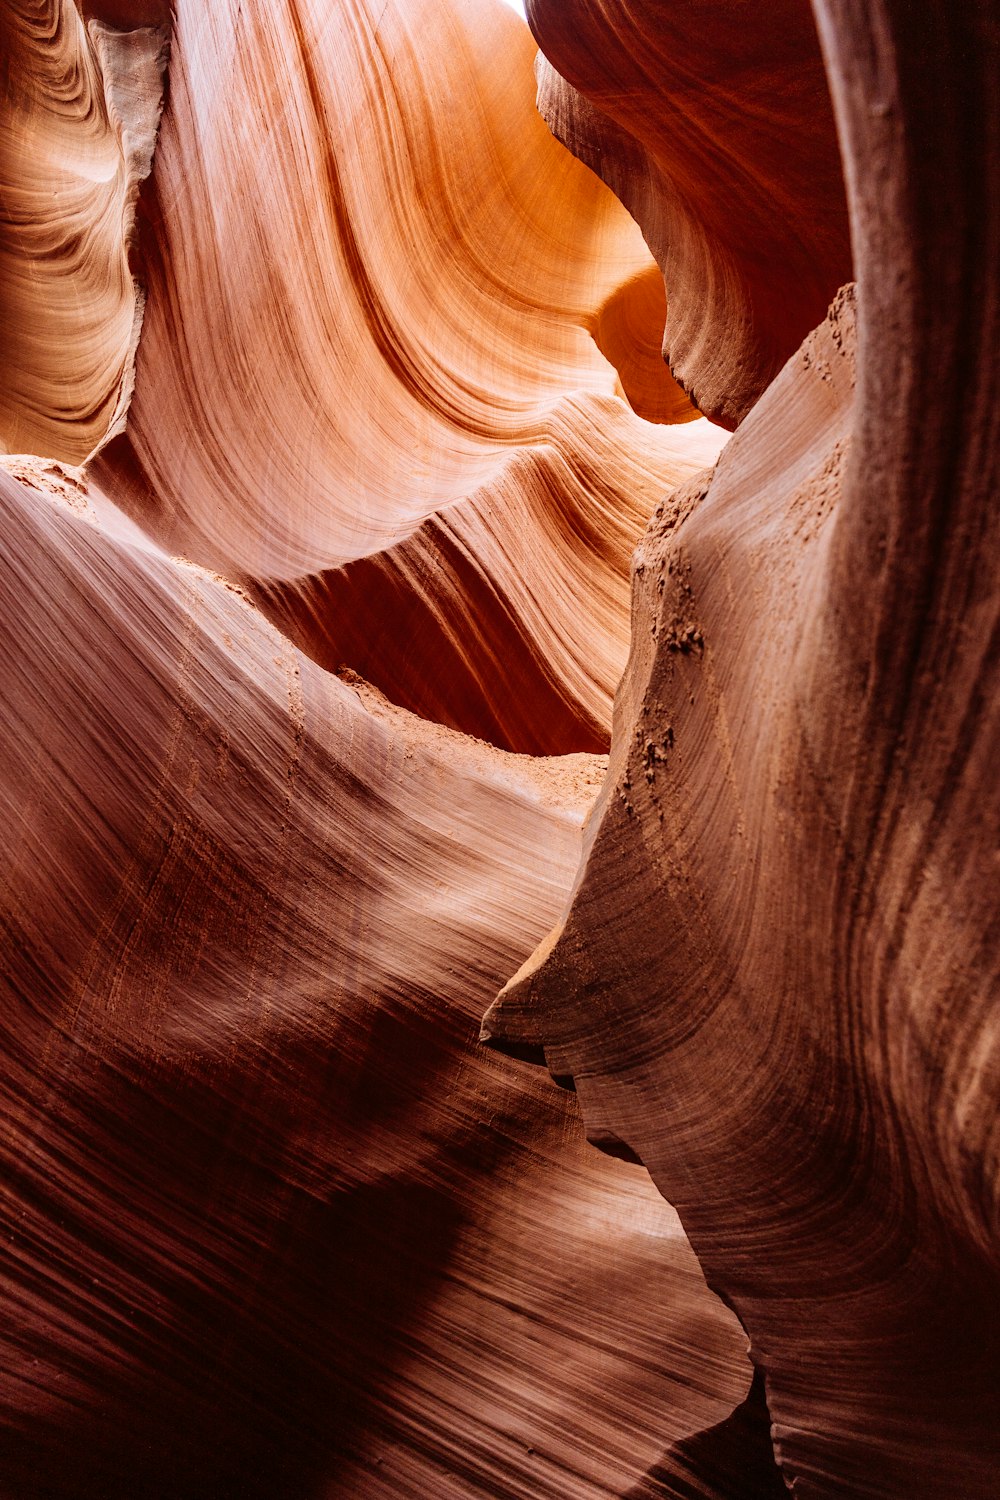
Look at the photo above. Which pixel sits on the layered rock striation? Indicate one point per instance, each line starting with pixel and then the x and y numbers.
pixel 274 1222
pixel 377 308
pixel 713 125
pixel 81 106
pixel 329 430
pixel 776 983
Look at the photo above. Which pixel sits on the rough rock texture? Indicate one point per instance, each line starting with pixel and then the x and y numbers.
pixel 713 125
pixel 777 981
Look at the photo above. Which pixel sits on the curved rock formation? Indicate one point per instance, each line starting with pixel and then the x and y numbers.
pixel 777 981
pixel 506 615
pixel 361 304
pixel 377 318
pixel 274 1223
pixel 713 125
pixel 81 105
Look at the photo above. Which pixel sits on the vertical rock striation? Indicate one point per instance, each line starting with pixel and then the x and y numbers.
pixel 777 981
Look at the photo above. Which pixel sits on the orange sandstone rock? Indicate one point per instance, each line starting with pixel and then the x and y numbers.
pixel 713 125
pixel 81 105
pixel 379 293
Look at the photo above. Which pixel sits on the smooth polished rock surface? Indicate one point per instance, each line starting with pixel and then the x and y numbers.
pixel 342 478
pixel 713 124
pixel 274 1221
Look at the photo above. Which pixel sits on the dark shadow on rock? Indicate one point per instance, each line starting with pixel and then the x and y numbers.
pixel 731 1461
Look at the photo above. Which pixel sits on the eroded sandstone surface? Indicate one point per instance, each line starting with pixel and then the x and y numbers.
pixel 776 983
pixel 342 477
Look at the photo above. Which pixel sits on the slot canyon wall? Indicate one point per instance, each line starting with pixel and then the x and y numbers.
pixel 393 636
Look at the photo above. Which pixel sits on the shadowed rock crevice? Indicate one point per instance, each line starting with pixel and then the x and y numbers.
pixel 714 127
pixel 732 1461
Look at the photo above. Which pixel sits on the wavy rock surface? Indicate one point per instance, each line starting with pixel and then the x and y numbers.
pixel 362 304
pixel 506 615
pixel 377 315
pixel 81 106
pixel 777 981
pixel 713 125
pixel 275 1224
